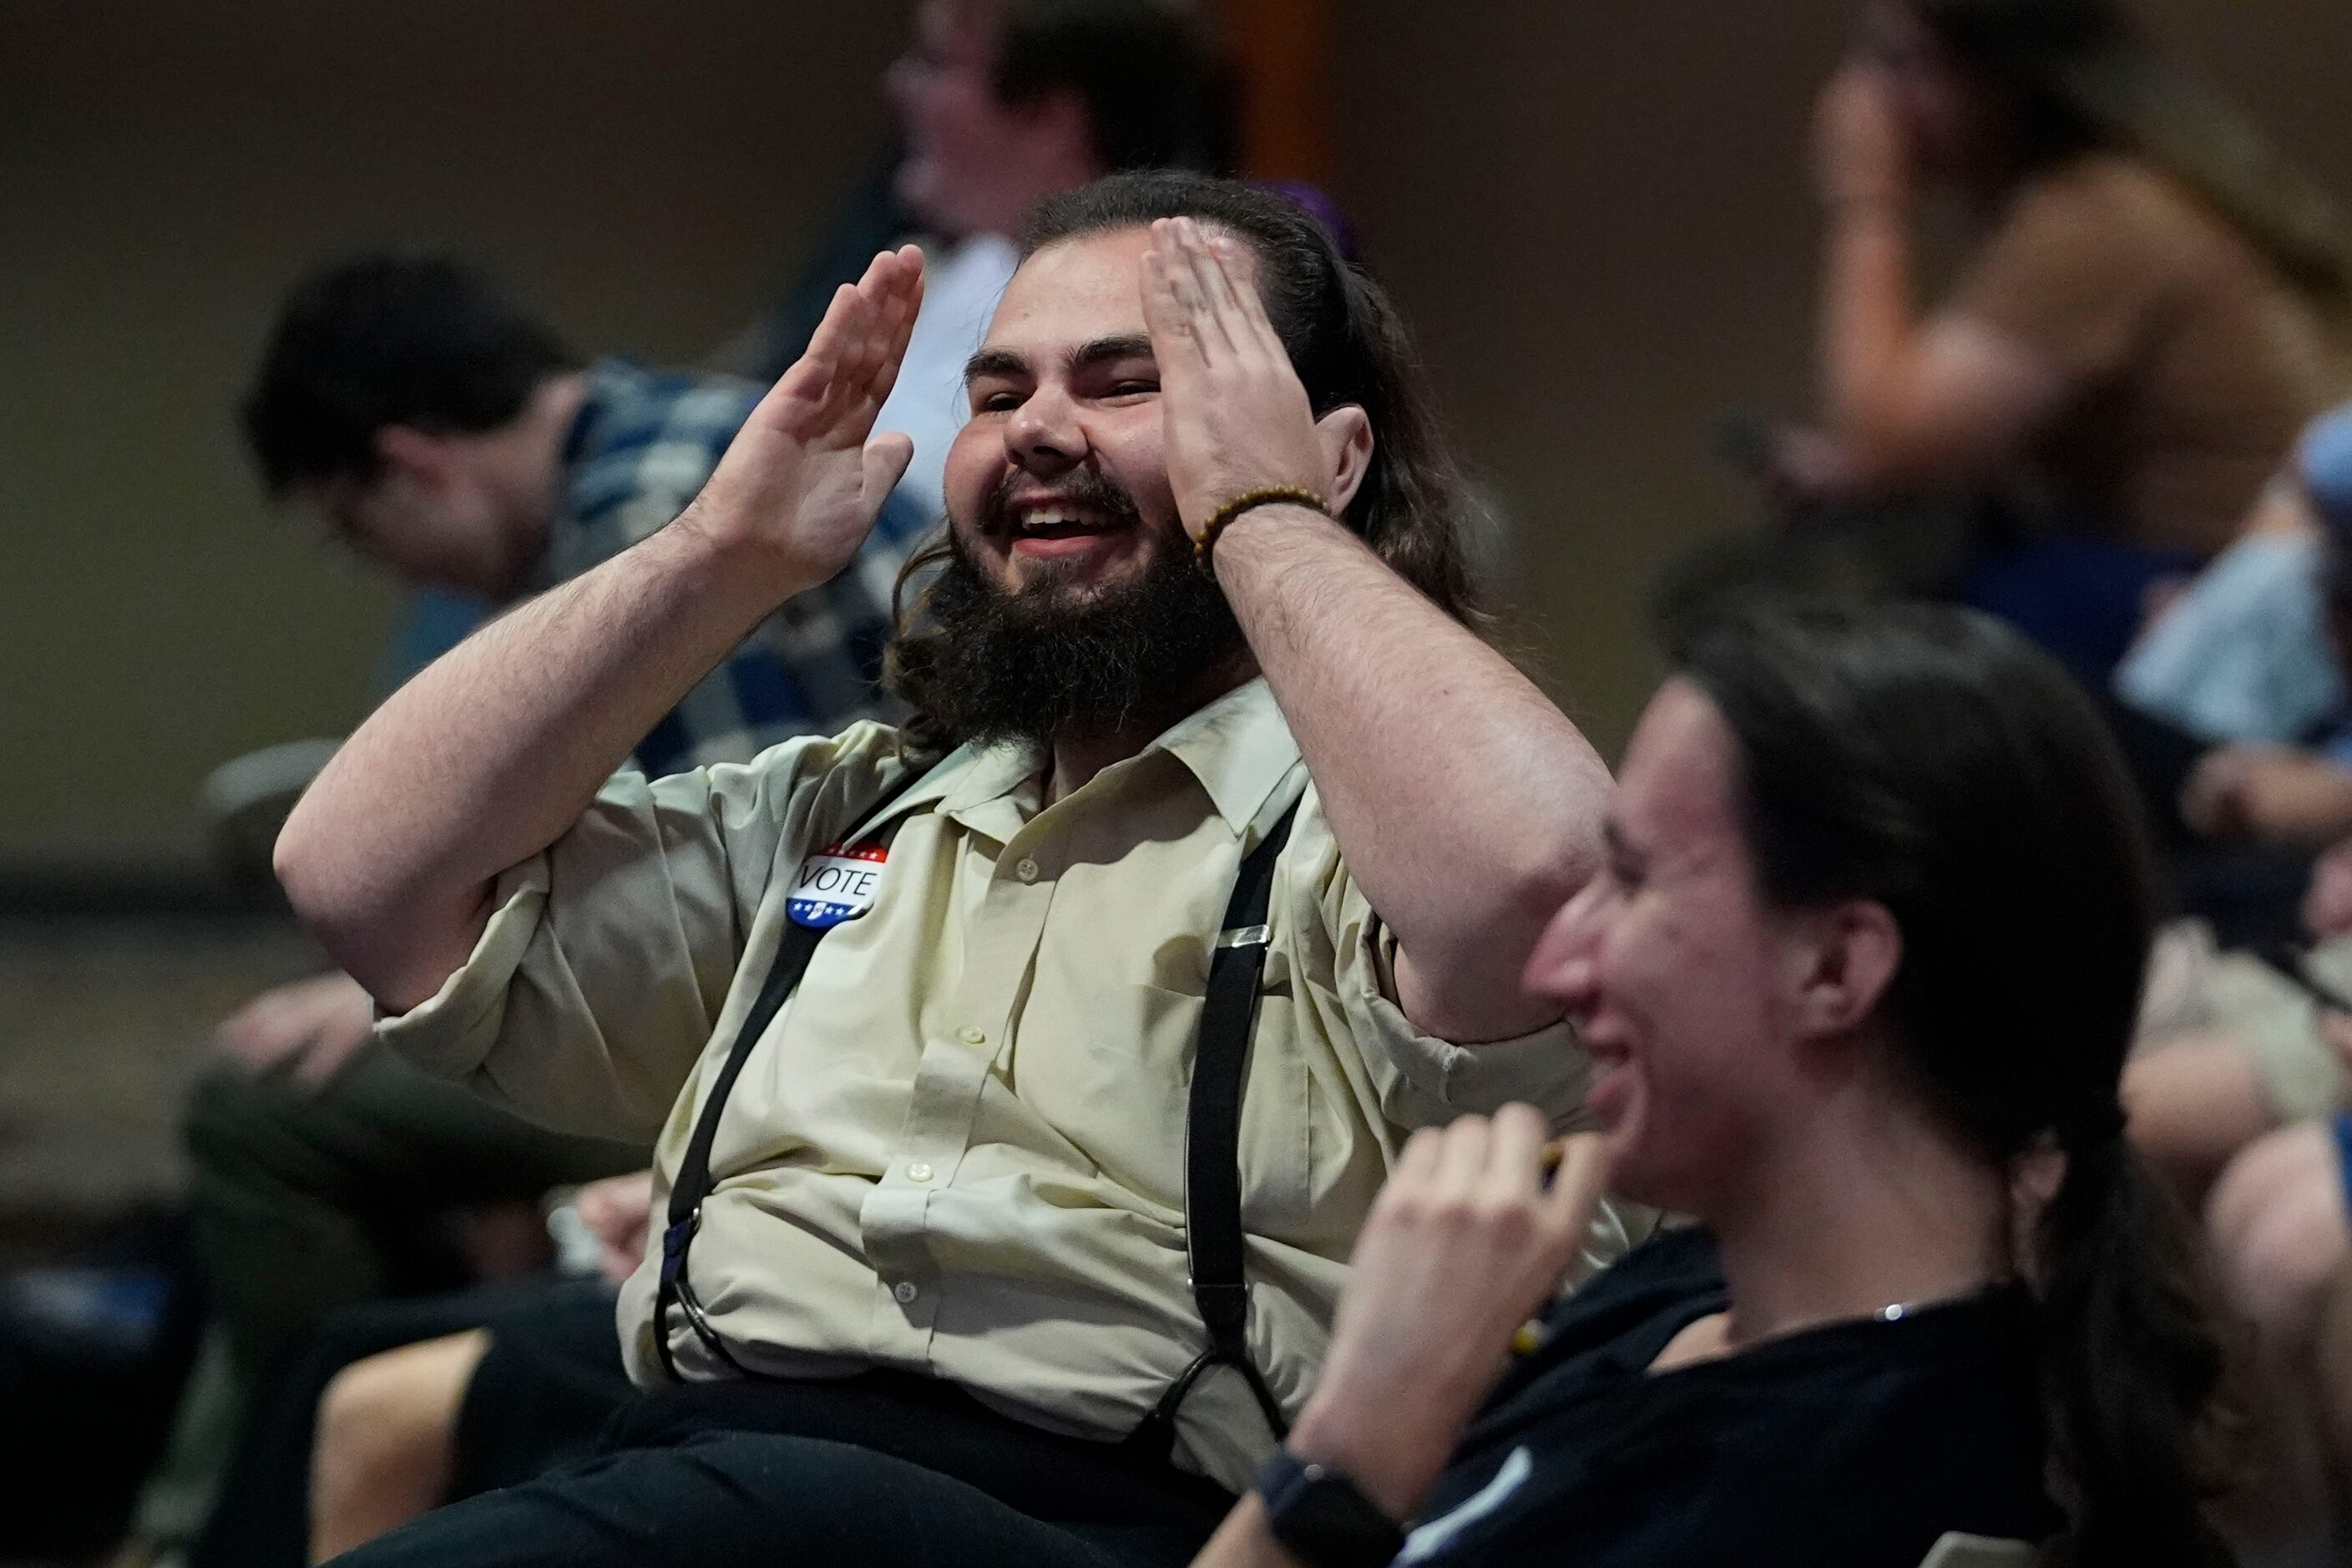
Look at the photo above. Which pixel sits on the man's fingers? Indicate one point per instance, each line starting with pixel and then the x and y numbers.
pixel 886 457
pixel 1247 301
pixel 1215 309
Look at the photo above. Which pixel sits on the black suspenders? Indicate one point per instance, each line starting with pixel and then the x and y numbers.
pixel 1212 1192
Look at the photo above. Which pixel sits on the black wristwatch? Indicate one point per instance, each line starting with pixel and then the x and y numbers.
pixel 1321 1518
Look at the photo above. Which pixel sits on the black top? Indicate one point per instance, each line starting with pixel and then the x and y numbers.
pixel 1856 1443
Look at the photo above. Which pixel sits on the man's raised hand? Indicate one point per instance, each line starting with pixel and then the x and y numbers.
pixel 805 478
pixel 1237 417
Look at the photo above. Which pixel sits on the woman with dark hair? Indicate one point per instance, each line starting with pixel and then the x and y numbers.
pixel 1860 975
pixel 2149 315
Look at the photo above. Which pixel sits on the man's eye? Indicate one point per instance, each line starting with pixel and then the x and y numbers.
pixel 999 403
pixel 1134 388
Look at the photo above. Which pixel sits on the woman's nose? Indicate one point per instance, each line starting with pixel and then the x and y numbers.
pixel 1560 967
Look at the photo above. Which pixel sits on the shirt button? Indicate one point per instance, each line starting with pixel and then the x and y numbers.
pixel 919 1172
pixel 974 1037
pixel 903 1291
pixel 1025 868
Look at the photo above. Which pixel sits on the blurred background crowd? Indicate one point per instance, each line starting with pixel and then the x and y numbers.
pixel 335 329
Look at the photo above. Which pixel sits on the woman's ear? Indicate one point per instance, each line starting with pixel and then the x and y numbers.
pixel 1347 435
pixel 1852 952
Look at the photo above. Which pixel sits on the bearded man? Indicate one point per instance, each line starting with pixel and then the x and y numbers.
pixel 965 1258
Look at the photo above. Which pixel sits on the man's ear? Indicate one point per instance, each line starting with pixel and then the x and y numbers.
pixel 1347 435
pixel 1849 957
pixel 408 451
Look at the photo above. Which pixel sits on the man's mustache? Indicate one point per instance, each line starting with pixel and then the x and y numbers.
pixel 1080 489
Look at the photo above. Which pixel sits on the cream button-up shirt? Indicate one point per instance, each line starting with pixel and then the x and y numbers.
pixel 959 1148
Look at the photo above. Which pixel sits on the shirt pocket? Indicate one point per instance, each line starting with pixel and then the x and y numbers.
pixel 1149 1075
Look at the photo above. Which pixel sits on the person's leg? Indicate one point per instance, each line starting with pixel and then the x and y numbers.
pixel 2281 1231
pixel 2193 1103
pixel 262 1518
pixel 297 1189
pixel 387 1439
pixel 729 1499
pixel 552 1380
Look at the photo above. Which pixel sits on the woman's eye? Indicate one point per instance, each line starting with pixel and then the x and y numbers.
pixel 1134 388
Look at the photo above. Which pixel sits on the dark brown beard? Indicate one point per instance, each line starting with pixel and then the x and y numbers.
pixel 1051 661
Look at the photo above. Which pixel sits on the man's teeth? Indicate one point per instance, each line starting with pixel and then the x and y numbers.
pixel 1038 521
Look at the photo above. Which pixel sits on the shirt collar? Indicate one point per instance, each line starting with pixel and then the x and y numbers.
pixel 1238 746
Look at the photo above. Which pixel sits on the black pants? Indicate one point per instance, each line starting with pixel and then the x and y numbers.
pixel 885 1470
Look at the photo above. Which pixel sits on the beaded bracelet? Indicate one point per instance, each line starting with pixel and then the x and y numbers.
pixel 1264 495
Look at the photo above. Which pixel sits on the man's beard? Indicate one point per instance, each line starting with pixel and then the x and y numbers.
pixel 1053 660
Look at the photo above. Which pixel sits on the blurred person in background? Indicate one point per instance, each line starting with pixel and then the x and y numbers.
pixel 1000 104
pixel 446 434
pixel 2150 311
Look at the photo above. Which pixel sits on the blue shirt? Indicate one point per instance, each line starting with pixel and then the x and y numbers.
pixel 639 450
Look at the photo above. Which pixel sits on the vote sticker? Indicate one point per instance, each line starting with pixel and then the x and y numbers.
pixel 836 884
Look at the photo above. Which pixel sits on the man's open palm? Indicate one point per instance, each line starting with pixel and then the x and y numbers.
pixel 807 475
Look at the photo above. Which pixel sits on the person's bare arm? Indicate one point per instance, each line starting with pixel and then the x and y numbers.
pixel 1907 399
pixel 1467 806
pixel 489 755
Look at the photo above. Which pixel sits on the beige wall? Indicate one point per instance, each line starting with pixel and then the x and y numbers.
pixel 1595 214
pixel 647 171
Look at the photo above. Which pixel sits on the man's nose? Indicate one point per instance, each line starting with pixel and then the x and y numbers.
pixel 1046 434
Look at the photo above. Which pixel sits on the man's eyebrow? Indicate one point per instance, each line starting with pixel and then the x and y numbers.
pixel 994 362
pixel 1086 356
pixel 1103 351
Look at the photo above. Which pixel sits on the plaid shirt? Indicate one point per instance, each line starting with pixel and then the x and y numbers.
pixel 641 448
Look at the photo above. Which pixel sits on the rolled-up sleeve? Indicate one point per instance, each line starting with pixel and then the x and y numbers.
pixel 594 986
pixel 1422 1080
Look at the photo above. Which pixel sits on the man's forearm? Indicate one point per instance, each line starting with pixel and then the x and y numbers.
pixel 486 756
pixel 1467 805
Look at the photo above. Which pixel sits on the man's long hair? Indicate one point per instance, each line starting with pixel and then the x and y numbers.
pixel 1413 509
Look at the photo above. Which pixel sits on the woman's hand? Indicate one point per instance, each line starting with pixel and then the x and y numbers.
pixel 1237 417
pixel 806 477
pixel 1463 1244
pixel 1862 147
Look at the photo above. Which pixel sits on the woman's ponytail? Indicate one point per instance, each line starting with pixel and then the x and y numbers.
pixel 2129 1368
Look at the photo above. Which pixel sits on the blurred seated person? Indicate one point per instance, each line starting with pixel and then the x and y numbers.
pixel 447 434
pixel 2146 317
pixel 1860 973
pixel 408 1430
pixel 1000 104
pixel 2256 660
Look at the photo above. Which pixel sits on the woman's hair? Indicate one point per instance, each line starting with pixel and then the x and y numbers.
pixel 1931 760
pixel 2077 74
pixel 1415 507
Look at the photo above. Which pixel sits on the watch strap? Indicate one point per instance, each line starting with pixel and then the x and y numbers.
pixel 1321 1517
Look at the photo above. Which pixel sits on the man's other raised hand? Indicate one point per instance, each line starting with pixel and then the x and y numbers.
pixel 1237 417
pixel 807 476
